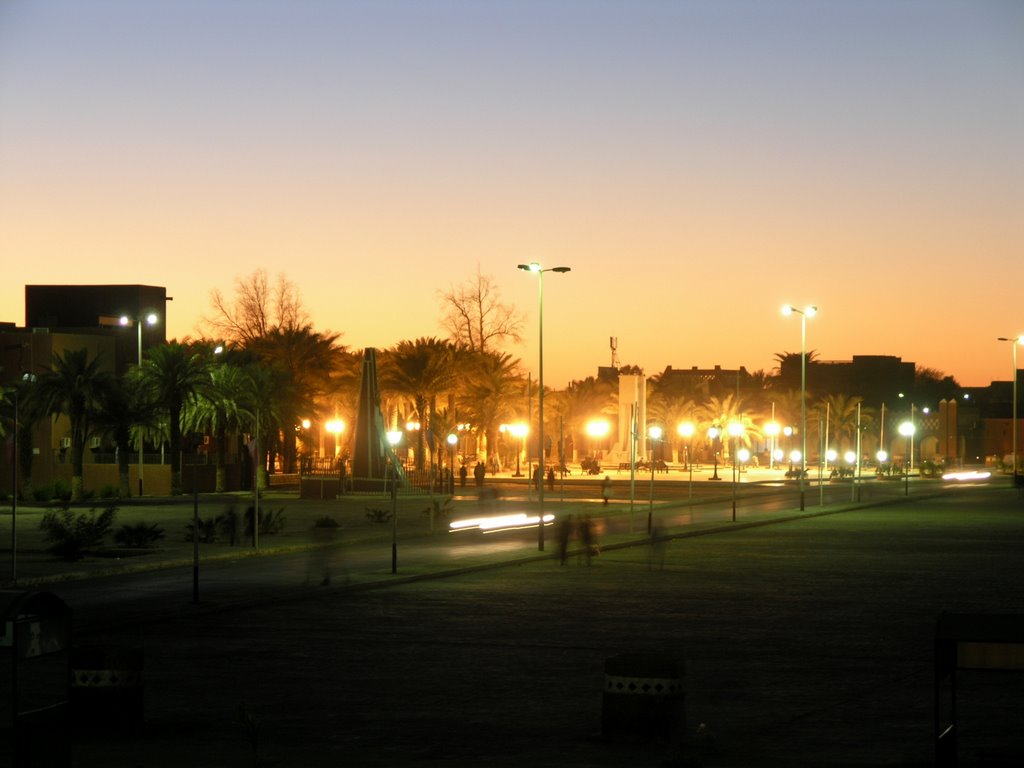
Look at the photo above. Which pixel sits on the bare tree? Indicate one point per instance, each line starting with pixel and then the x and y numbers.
pixel 257 308
pixel 475 317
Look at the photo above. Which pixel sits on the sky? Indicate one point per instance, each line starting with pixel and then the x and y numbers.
pixel 697 164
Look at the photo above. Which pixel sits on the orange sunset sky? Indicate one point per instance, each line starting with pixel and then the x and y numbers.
pixel 696 164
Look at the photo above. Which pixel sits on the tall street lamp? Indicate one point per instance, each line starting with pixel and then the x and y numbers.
pixel 453 440
pixel 714 433
pixel 907 430
pixel 535 267
pixel 808 311
pixel 654 433
pixel 125 321
pixel 1015 341
pixel 686 429
pixel 394 436
pixel 736 430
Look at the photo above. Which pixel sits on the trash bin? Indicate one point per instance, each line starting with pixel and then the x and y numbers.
pixel 643 698
pixel 35 642
pixel 107 688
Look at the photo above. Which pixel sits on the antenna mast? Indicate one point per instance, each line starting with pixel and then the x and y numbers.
pixel 613 342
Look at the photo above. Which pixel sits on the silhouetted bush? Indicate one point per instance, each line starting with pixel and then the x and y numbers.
pixel 206 530
pixel 110 492
pixel 72 535
pixel 271 521
pixel 138 535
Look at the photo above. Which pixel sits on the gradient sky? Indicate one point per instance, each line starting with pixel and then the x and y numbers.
pixel 697 164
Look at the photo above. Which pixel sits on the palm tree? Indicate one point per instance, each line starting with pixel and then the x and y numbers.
pixel 73 387
pixel 492 384
pixel 174 375
pixel 118 410
pixel 304 363
pixel 671 411
pixel 581 401
pixel 223 410
pixel 419 370
pixel 842 418
pixel 726 410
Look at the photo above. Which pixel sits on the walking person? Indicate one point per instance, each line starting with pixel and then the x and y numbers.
pixel 564 534
pixel 587 542
pixel 606 489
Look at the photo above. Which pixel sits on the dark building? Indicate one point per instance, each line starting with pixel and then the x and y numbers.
pixel 714 382
pixel 876 378
pixel 77 308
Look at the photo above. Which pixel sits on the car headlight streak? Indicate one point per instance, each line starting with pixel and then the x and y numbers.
pixel 498 523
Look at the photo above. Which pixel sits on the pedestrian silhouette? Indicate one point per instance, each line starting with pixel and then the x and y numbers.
pixel 320 565
pixel 564 534
pixel 551 478
pixel 606 489
pixel 659 541
pixel 587 541
pixel 462 475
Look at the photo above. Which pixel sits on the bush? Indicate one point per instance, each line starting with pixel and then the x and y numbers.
pixel 207 530
pixel 378 515
pixel 139 535
pixel 61 491
pixel 325 522
pixel 271 521
pixel 110 492
pixel 72 535
pixel 42 493
pixel 231 524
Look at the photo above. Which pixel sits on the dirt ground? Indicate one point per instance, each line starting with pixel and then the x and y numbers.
pixel 807 643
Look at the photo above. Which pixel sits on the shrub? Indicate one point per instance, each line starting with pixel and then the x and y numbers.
pixel 207 530
pixel 378 515
pixel 230 524
pixel 110 492
pixel 138 535
pixel 61 491
pixel 440 507
pixel 42 493
pixel 325 522
pixel 71 535
pixel 271 521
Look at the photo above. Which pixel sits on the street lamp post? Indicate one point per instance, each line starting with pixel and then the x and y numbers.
pixel 772 429
pixel 535 267
pixel 394 436
pixel 686 429
pixel 808 311
pixel 735 432
pixel 713 435
pixel 1013 426
pixel 149 319
pixel 907 430
pixel 654 433
pixel 452 439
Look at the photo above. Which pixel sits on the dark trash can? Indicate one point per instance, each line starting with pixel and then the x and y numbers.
pixel 643 698
pixel 107 688
pixel 35 642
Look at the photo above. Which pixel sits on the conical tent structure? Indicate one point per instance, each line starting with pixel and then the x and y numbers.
pixel 373 460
